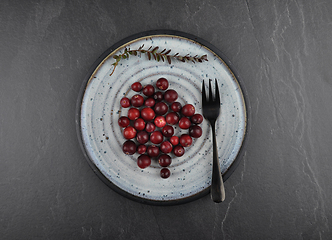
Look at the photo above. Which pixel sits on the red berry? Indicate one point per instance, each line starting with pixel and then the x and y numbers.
pixel 176 106
pixel 162 83
pixel 166 147
pixel 148 90
pixel 123 121
pixel 168 131
pixel 153 151
pixel 141 149
pixel 137 100
pixel 172 118
pixel 165 173
pixel 178 151
pixel 185 140
pixel 139 124
pixel 188 110
pixel 150 102
pixel 136 86
pixel 174 140
pixel 125 102
pixel 129 147
pixel 195 131
pixel 184 123
pixel 147 114
pixel 133 113
pixel 143 161
pixel 158 96
pixel 170 95
pixel 197 118
pixel 164 160
pixel 160 108
pixel 150 127
pixel 129 132
pixel 160 121
pixel 142 137
pixel 156 137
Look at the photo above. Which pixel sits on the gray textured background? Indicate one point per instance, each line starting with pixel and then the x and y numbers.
pixel 282 187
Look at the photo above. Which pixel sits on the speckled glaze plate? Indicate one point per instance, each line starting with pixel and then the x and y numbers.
pixel 99 109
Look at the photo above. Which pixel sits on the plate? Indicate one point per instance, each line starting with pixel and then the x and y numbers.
pixel 98 111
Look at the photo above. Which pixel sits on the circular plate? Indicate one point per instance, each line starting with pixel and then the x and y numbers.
pixel 99 109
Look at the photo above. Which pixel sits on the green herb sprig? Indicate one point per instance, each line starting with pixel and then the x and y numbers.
pixel 153 54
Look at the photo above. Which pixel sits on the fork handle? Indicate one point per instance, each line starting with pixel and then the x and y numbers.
pixel 217 185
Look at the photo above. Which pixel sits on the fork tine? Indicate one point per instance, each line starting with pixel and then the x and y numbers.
pixel 210 91
pixel 204 100
pixel 217 96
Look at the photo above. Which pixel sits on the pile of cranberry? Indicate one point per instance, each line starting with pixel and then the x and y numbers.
pixel 149 125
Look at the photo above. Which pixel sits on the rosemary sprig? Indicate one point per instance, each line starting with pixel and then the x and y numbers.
pixel 153 53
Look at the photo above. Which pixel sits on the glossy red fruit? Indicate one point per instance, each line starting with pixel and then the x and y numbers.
pixel 139 124
pixel 184 123
pixel 129 132
pixel 197 118
pixel 147 114
pixel 150 127
pixel 162 83
pixel 123 121
pixel 150 102
pixel 170 95
pixel 165 173
pixel 168 131
pixel 129 147
pixel 153 151
pixel 142 137
pixel 161 108
pixel 195 131
pixel 148 90
pixel 136 86
pixel 176 106
pixel 141 149
pixel 137 100
pixel 188 110
pixel 125 102
pixel 185 140
pixel 143 161
pixel 133 113
pixel 174 140
pixel 178 151
pixel 172 118
pixel 164 160
pixel 158 96
pixel 156 137
pixel 166 147
pixel 160 121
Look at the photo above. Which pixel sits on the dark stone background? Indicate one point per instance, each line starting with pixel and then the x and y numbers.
pixel 282 188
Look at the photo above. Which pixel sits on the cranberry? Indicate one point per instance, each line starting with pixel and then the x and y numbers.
pixel 166 147
pixel 148 90
pixel 165 173
pixel 136 86
pixel 123 121
pixel 185 140
pixel 137 100
pixel 129 132
pixel 129 147
pixel 139 124
pixel 164 160
pixel 153 151
pixel 158 96
pixel 160 121
pixel 195 131
pixel 172 118
pixel 156 137
pixel 125 102
pixel 178 151
pixel 188 110
pixel 168 131
pixel 197 118
pixel 184 123
pixel 150 127
pixel 150 102
pixel 141 149
pixel 142 137
pixel 176 106
pixel 162 83
pixel 161 108
pixel 143 161
pixel 147 114
pixel 174 140
pixel 133 113
pixel 170 95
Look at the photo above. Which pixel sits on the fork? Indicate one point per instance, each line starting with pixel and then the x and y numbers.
pixel 211 110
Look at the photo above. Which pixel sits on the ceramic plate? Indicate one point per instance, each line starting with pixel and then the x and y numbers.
pixel 99 110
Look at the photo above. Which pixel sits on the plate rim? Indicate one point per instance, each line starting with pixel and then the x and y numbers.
pixel 90 73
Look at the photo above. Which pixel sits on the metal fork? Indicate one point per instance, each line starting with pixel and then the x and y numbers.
pixel 211 110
